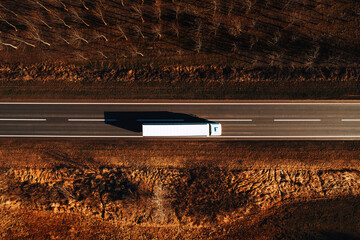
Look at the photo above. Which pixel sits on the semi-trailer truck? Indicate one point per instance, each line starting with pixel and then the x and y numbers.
pixel 181 129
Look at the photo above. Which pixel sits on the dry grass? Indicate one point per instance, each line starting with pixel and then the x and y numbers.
pixel 25 224
pixel 322 219
pixel 181 190
pixel 302 155
pixel 285 41
pixel 325 220
pixel 177 203
pixel 280 33
pixel 108 81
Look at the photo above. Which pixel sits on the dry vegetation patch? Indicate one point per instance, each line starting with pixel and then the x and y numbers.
pixel 140 49
pixel 173 199
pixel 233 155
pixel 121 189
pixel 322 219
pixel 60 81
pixel 265 32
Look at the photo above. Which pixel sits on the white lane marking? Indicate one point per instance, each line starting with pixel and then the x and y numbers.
pixel 243 137
pixel 90 120
pixel 23 119
pixel 68 136
pixel 232 120
pixel 350 120
pixel 160 120
pixel 297 120
pixel 177 103
pixel 212 137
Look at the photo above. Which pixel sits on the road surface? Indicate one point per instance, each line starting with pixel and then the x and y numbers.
pixel 239 120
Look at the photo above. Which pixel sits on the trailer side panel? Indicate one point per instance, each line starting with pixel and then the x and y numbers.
pixel 175 130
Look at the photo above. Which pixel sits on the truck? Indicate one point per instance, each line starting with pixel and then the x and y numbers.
pixel 181 129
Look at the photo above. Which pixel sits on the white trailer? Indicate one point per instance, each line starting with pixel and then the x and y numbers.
pixel 181 129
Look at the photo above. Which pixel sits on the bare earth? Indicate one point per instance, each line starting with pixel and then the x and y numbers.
pixel 123 189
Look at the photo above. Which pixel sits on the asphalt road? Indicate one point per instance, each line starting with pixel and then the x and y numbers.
pixel 239 120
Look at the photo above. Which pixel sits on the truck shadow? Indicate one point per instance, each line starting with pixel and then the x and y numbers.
pixel 133 121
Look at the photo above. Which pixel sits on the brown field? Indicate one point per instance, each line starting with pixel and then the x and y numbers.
pixel 207 49
pixel 133 189
pixel 171 49
pixel 261 33
pixel 233 155
pixel 53 82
